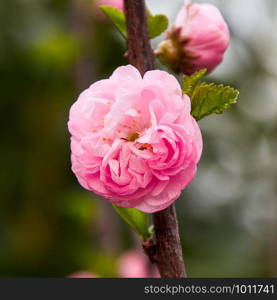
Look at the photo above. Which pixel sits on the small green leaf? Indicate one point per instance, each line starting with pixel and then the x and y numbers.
pixel 211 99
pixel 156 25
pixel 189 82
pixel 137 219
pixel 117 17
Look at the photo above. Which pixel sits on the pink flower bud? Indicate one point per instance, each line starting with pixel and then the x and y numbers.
pixel 135 264
pixel 83 274
pixel 197 40
pixel 114 3
pixel 133 139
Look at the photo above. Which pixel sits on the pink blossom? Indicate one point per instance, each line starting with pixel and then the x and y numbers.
pixel 114 3
pixel 198 39
pixel 135 264
pixel 133 140
pixel 83 274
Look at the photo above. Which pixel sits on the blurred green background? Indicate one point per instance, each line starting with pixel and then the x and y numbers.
pixel 50 50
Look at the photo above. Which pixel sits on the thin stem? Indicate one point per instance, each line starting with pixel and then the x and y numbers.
pixel 167 253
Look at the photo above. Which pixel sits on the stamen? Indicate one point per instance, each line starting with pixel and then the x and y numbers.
pixel 145 147
pixel 133 136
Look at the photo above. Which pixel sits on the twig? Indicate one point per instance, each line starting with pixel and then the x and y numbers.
pixel 167 253
pixel 169 257
pixel 140 53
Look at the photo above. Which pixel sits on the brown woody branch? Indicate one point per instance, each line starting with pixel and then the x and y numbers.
pixel 140 53
pixel 169 256
pixel 167 253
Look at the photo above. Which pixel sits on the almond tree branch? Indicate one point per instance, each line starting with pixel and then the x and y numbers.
pixel 140 53
pixel 168 245
pixel 167 253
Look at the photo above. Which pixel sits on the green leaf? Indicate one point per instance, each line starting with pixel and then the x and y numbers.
pixel 189 82
pixel 137 219
pixel 157 24
pixel 211 99
pixel 117 17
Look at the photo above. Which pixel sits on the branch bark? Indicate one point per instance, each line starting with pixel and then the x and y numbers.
pixel 140 53
pixel 167 253
pixel 169 256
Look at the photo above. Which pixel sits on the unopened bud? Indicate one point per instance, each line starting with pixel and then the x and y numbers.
pixel 197 40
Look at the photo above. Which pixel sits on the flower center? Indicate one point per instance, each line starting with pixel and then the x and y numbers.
pixel 133 136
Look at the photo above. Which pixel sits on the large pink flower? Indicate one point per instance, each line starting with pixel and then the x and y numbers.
pixel 198 39
pixel 133 140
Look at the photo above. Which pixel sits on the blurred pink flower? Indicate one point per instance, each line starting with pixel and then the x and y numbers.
pixel 197 40
pixel 83 274
pixel 114 3
pixel 135 264
pixel 133 140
